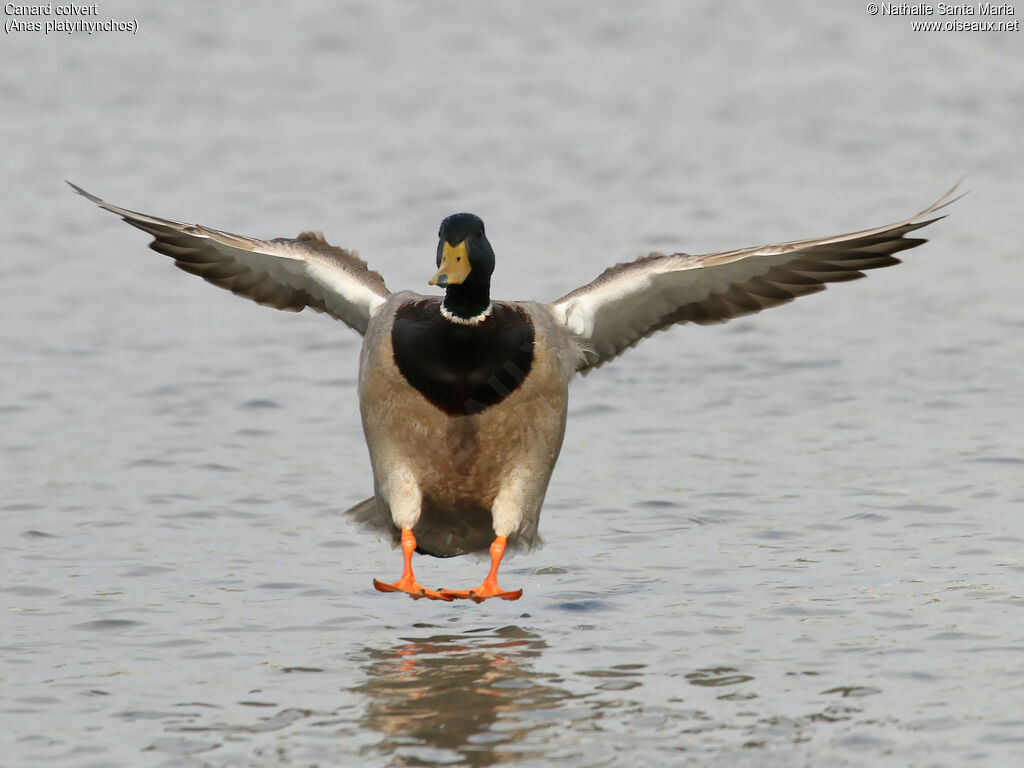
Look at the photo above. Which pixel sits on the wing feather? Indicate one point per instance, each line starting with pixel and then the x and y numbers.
pixel 628 302
pixel 286 273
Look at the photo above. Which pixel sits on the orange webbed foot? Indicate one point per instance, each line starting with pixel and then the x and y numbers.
pixel 481 593
pixel 408 583
pixel 490 586
pixel 412 588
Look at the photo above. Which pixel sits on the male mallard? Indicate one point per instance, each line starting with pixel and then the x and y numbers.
pixel 464 399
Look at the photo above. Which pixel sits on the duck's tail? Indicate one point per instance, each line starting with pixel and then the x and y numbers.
pixel 365 512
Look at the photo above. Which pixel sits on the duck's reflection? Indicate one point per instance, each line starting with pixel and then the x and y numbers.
pixel 472 696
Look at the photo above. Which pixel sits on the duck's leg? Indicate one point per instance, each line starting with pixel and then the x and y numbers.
pixel 408 583
pixel 490 586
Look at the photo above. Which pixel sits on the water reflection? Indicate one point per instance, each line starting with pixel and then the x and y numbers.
pixel 471 697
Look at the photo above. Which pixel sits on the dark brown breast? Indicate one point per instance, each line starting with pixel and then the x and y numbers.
pixel 462 369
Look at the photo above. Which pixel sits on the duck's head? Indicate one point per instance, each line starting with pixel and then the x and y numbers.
pixel 465 262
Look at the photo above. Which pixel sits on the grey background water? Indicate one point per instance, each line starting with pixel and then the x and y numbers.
pixel 794 539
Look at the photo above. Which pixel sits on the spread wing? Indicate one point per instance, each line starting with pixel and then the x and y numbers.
pixel 284 273
pixel 629 302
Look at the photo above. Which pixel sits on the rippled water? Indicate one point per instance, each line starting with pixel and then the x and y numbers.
pixel 791 540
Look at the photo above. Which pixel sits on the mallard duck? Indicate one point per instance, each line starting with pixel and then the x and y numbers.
pixel 464 399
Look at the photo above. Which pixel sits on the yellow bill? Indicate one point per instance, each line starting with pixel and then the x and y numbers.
pixel 454 265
